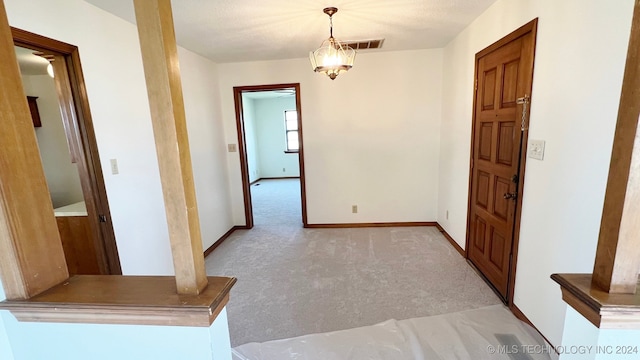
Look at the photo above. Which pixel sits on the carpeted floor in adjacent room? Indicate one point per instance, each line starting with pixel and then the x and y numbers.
pixel 294 281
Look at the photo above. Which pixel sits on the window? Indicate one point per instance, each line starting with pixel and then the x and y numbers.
pixel 291 130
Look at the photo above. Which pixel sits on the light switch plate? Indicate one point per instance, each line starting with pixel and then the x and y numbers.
pixel 114 166
pixel 536 149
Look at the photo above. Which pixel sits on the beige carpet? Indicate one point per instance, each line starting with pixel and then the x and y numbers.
pixel 294 281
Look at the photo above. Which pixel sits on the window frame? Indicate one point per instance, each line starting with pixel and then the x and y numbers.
pixel 288 149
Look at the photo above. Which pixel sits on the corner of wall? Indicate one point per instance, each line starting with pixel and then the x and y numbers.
pixel 6 351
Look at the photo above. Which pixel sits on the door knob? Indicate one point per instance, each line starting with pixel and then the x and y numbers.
pixel 511 196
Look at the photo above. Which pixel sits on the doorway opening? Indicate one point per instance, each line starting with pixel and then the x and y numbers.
pixel 54 86
pixel 270 146
pixel 504 77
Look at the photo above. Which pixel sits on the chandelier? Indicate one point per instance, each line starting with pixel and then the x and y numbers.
pixel 332 56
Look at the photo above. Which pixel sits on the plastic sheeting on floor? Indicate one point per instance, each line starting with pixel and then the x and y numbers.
pixel 487 333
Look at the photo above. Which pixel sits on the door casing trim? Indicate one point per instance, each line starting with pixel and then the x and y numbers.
pixel 242 148
pixel 83 132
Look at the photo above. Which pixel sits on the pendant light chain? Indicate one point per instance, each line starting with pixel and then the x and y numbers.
pixel 332 57
pixel 331 26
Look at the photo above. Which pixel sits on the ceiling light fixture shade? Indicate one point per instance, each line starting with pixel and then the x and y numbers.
pixel 332 57
pixel 50 70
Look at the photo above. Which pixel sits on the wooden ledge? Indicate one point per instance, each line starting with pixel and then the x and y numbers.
pixel 604 310
pixel 134 300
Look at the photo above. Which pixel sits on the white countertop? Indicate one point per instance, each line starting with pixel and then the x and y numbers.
pixel 77 209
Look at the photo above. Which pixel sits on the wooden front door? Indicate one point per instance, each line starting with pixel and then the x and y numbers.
pixel 503 83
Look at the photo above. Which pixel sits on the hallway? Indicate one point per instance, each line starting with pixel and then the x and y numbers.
pixel 276 202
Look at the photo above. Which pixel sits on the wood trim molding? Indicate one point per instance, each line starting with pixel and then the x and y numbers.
pixel 523 30
pixel 134 300
pixel 278 178
pixel 529 30
pixel 303 181
pixel 95 181
pixel 363 225
pixel 453 243
pixel 220 241
pixel 164 87
pixel 38 42
pixel 522 317
pixel 242 154
pixel 604 310
pixel 274 178
pixel 618 253
pixel 31 255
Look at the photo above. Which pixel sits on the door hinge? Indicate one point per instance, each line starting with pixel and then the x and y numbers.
pixel 102 218
pixel 471 163
pixel 476 85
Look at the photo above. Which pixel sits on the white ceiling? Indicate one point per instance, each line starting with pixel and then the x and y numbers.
pixel 248 30
pixel 30 64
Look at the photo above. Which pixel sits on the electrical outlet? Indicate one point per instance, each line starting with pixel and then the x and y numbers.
pixel 232 147
pixel 354 209
pixel 284 170
pixel 114 166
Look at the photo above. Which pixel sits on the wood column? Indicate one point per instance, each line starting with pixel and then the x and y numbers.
pixel 161 69
pixel 31 255
pixel 618 255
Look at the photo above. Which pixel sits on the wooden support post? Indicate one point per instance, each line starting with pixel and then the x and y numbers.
pixel 31 255
pixel 160 59
pixel 618 255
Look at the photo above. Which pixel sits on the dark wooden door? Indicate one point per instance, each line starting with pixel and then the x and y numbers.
pixel 504 76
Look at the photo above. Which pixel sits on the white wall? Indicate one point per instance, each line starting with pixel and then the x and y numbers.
pixel 112 66
pixel 62 175
pixel 580 56
pixel 206 141
pixel 270 133
pixel 253 160
pixel 89 341
pixel 578 331
pixel 6 352
pixel 583 341
pixel 371 137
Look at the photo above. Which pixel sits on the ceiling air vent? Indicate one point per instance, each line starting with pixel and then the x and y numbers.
pixel 365 44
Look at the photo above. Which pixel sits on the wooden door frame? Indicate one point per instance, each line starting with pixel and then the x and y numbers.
pixel 79 130
pixel 242 147
pixel 529 28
